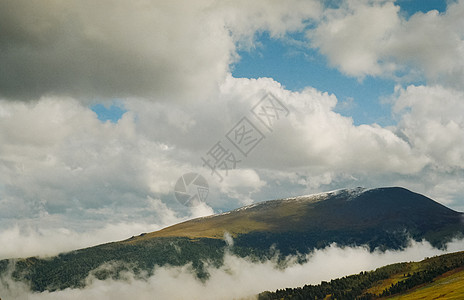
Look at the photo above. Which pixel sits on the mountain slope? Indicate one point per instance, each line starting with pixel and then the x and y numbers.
pixel 438 277
pixel 357 209
pixel 447 286
pixel 382 218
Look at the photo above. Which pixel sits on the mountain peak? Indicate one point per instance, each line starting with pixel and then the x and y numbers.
pixel 325 195
pixel 355 210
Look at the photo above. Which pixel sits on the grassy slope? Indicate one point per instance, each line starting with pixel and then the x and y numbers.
pixel 447 286
pixel 235 222
pixel 410 267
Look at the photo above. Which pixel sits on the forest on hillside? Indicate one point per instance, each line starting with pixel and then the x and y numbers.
pixel 358 286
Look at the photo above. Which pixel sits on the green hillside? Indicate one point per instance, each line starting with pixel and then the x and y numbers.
pixel 440 277
pixel 447 286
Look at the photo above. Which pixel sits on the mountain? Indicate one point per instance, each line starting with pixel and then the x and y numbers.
pixel 438 277
pixel 383 218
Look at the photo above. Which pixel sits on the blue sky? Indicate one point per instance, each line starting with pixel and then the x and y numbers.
pixel 112 112
pixel 410 7
pixel 301 66
pixel 305 67
pixel 295 65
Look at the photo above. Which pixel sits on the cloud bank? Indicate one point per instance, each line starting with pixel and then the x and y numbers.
pixel 163 50
pixel 238 278
pixel 363 37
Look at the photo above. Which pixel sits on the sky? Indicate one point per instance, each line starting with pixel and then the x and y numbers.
pixel 104 105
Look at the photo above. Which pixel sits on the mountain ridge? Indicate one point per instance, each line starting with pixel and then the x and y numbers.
pixel 295 208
